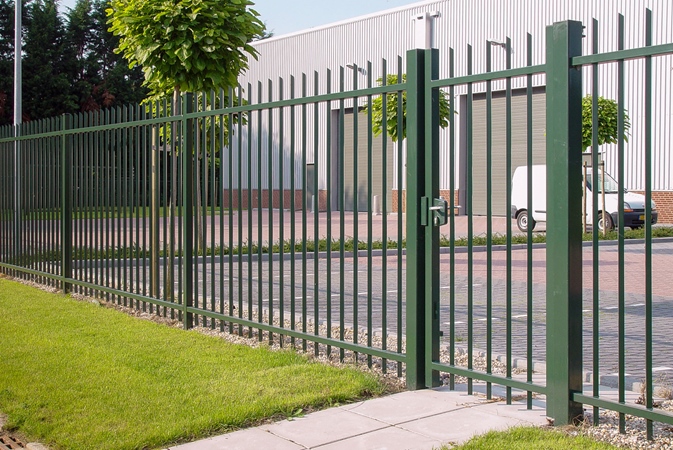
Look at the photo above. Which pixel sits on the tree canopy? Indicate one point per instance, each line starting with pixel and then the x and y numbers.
pixel 608 117
pixel 392 108
pixel 185 45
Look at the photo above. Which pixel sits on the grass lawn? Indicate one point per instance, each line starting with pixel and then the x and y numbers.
pixel 525 438
pixel 75 375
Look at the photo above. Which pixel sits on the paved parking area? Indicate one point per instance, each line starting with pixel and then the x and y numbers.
pixel 351 289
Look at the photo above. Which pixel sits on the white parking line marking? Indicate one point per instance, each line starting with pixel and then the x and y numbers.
pixel 661 369
pixel 520 316
pixel 637 304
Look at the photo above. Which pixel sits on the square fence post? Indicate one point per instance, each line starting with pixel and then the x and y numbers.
pixel 415 308
pixel 422 324
pixel 564 223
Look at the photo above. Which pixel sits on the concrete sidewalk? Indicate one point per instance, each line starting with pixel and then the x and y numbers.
pixel 423 419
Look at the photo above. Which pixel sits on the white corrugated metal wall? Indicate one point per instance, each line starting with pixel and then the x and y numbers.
pixel 390 33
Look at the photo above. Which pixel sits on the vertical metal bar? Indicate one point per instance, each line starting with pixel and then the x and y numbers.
pixel 66 202
pixel 452 222
pixel 316 211
pixel 529 230
pixel 125 218
pixel 98 202
pixel 177 211
pixel 269 147
pixel 356 219
pixel 116 202
pixel 402 207
pixel 594 227
pixel 186 150
pixel 146 223
pixel 293 212
pixel 203 181
pixel 648 223
pixel 489 221
pixel 508 189
pixel 620 201
pixel 230 171
pixel 416 236
pixel 137 202
pixel 281 218
pixel 384 231
pixel 154 221
pixel 223 146
pixel 160 143
pixel 304 225
pixel 342 216
pixel 329 190
pixel 470 224
pixel 239 212
pixel 260 203
pixel 564 239
pixel 88 185
pixel 250 216
pixel 370 225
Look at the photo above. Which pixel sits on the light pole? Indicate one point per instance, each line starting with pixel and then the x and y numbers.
pixel 17 123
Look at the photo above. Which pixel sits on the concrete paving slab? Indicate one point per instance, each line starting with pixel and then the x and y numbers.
pixel 391 438
pixel 460 425
pixel 518 411
pixel 400 408
pixel 324 427
pixel 253 438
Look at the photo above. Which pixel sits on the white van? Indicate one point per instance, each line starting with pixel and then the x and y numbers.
pixel 634 204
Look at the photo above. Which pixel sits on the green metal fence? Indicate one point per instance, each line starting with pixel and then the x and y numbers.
pixel 234 211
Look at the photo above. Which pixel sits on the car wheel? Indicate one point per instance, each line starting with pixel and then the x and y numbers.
pixel 605 222
pixel 523 222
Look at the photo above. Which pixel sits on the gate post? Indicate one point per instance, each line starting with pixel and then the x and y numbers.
pixel 564 226
pixel 422 318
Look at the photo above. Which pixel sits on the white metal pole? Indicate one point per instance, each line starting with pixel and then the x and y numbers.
pixel 424 29
pixel 17 122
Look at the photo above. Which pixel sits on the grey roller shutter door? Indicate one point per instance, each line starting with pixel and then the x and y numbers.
pixel 362 165
pixel 500 179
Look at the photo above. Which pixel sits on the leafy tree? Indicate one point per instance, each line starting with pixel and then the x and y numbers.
pixel 391 110
pixel 185 45
pixel 608 116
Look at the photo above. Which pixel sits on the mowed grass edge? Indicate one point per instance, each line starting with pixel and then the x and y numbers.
pixel 525 438
pixel 75 375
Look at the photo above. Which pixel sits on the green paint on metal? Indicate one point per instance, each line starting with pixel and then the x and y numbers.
pixel 415 237
pixel 564 240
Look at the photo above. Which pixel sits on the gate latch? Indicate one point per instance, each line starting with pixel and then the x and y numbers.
pixel 437 212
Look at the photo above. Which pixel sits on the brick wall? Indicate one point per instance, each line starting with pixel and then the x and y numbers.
pixel 446 193
pixel 664 201
pixel 245 202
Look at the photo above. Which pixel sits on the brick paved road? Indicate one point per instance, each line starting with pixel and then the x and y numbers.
pixel 216 282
